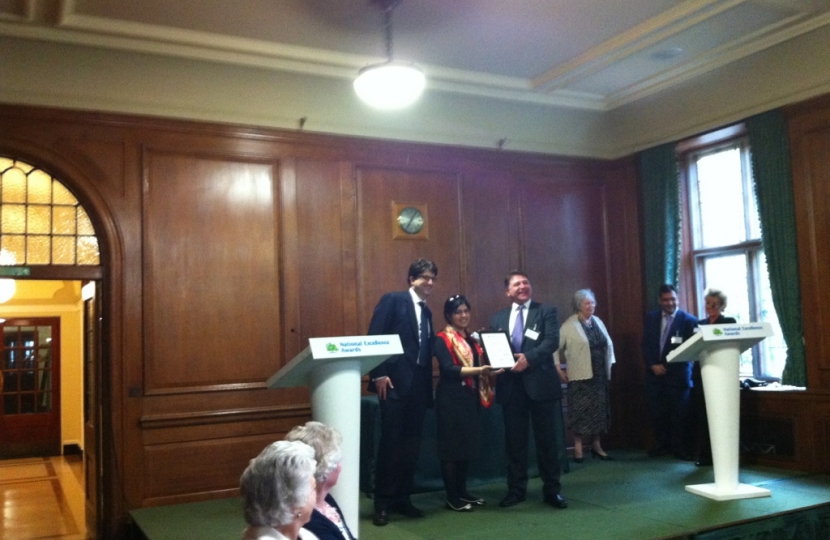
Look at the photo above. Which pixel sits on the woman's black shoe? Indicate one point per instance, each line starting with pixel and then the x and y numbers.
pixel 472 499
pixel 603 457
pixel 459 506
pixel 578 459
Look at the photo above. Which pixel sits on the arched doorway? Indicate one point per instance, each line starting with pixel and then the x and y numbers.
pixel 47 235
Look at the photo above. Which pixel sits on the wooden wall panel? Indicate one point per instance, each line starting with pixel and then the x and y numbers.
pixel 211 272
pixel 564 241
pixel 325 261
pixel 809 127
pixel 383 259
pixel 491 242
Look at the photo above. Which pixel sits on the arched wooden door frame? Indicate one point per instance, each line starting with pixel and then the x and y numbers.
pixel 81 179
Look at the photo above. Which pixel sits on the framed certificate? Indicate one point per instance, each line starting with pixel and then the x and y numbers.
pixel 498 350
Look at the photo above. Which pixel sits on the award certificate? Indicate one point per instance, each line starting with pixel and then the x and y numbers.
pixel 498 349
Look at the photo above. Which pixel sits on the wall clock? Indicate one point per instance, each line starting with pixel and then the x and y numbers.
pixel 409 220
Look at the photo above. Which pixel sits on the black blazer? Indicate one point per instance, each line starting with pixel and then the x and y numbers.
pixel 540 379
pixel 720 320
pixel 323 528
pixel 677 373
pixel 395 314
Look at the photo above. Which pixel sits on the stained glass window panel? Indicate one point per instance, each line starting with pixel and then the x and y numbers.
pixel 63 220
pixel 88 253
pixel 40 188
pixel 14 247
pixel 14 218
pixel 61 195
pixel 14 185
pixel 39 221
pixel 84 224
pixel 38 249
pixel 63 250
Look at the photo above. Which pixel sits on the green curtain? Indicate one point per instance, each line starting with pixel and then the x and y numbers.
pixel 660 185
pixel 770 149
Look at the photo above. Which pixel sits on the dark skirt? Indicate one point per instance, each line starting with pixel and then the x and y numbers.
pixel 588 403
pixel 458 419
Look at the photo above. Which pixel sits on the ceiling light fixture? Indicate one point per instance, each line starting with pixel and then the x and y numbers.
pixel 391 84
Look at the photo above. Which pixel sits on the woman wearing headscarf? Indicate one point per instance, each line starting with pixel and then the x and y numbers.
pixel 327 521
pixel 278 492
pixel 588 353
pixel 463 388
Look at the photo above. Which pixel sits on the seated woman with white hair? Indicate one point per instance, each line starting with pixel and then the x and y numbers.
pixel 278 492
pixel 327 521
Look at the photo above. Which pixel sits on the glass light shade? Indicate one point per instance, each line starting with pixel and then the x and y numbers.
pixel 7 289
pixel 391 85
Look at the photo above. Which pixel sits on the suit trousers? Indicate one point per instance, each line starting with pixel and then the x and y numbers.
pixel 669 406
pixel 401 426
pixel 519 411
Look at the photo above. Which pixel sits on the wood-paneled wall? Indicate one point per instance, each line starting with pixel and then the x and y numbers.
pixel 225 247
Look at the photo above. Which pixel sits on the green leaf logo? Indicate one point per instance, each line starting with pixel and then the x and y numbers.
pixel 331 347
pixel 717 332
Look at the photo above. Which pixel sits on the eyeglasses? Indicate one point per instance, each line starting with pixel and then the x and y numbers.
pixel 427 277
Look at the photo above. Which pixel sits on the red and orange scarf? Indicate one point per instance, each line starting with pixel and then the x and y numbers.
pixel 462 355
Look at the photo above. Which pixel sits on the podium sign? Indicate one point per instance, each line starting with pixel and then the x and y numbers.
pixel 332 367
pixel 718 347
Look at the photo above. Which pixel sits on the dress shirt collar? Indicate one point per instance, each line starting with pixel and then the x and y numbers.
pixel 415 297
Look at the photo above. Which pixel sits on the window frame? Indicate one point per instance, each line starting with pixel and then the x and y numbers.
pixel 693 257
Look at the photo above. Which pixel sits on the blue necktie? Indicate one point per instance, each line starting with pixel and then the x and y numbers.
pixel 424 355
pixel 518 331
pixel 666 332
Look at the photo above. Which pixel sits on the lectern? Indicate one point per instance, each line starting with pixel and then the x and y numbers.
pixel 718 347
pixel 332 367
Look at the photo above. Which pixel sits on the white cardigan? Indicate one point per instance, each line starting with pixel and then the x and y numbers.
pixel 573 344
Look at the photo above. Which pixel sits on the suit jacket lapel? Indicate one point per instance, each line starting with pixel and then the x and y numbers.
pixel 413 317
pixel 532 316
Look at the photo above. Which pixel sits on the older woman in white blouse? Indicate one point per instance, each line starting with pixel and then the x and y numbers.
pixel 586 351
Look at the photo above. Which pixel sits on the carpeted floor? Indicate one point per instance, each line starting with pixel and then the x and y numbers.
pixel 633 497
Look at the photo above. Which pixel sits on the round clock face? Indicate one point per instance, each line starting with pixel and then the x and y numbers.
pixel 411 220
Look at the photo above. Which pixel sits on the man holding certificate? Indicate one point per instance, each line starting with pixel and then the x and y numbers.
pixel 529 390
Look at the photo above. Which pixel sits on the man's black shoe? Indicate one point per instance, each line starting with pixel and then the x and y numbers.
pixel 557 501
pixel 380 518
pixel 410 511
pixel 511 499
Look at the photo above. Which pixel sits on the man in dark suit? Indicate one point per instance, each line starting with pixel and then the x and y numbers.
pixel 529 391
pixel 668 385
pixel 403 384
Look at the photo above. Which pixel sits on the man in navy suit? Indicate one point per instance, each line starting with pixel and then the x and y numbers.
pixel 403 384
pixel 528 392
pixel 668 385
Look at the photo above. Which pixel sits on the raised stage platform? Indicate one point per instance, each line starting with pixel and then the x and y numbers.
pixel 634 497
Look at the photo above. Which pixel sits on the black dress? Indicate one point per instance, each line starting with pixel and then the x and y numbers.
pixel 590 409
pixel 457 407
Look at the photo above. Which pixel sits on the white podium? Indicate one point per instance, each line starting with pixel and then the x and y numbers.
pixel 332 367
pixel 718 347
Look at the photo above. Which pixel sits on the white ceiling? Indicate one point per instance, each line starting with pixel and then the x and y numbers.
pixel 586 54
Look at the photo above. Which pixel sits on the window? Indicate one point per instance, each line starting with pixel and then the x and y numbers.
pixel 721 221
pixel 41 222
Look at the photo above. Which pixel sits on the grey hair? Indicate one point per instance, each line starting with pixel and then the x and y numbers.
pixel 327 443
pixel 581 295
pixel 717 294
pixel 276 483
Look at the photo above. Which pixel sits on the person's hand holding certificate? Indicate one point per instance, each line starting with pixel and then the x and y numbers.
pixel 498 350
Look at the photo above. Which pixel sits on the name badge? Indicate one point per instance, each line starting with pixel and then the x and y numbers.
pixel 532 334
pixel 676 340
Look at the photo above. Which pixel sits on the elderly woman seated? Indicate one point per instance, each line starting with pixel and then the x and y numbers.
pixel 327 521
pixel 278 492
